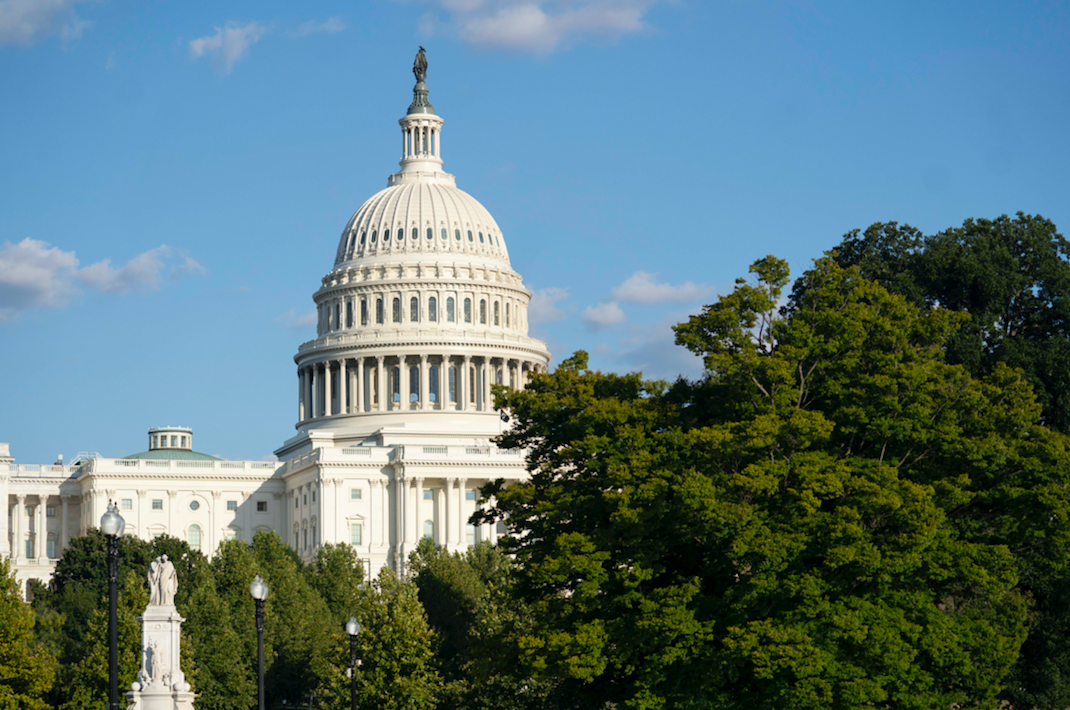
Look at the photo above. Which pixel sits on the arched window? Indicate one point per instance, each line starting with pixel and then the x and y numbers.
pixel 414 384
pixel 349 314
pixel 497 307
pixel 364 311
pixel 414 310
pixel 453 383
pixel 195 537
pixel 432 309
pixel 375 233
pixel 337 316
pixel 363 237
pixel 468 310
pixel 397 310
pixel 507 309
pixel 470 235
pixel 444 235
pixel 498 374
pixel 451 316
pixel 386 238
pixel 429 529
pixel 472 384
pixel 395 384
pixel 415 233
pixel 430 233
pixel 432 382
pixel 379 310
pixel 481 237
pixel 482 311
pixel 457 234
pixel 401 234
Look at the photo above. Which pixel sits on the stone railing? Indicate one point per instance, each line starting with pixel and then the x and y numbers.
pixel 446 335
pixel 262 467
pixel 41 470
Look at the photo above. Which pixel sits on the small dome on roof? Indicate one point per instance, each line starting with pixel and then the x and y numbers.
pixel 171 443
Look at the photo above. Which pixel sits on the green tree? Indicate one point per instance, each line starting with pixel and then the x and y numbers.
pixel 337 575
pixel 224 679
pixel 822 521
pixel 27 667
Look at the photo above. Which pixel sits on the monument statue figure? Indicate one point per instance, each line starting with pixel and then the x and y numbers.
pixel 419 67
pixel 152 660
pixel 163 582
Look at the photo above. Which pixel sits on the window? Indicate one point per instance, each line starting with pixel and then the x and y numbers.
pixel 157 504
pixel 261 506
pixel 483 312
pixel 183 442
pixel 231 534
pixel 305 501
pixel 50 511
pixel 444 236
pixel 349 314
pixel 355 494
pixel 470 534
pixel 195 537
pixel 295 537
pixel 470 235
pixel 453 383
pixel 481 237
pixel 356 534
pixel 498 376
pixel 194 505
pixel 375 233
pixel 432 309
pixel 429 495
pixel 496 309
pixel 457 234
pixel 313 495
pixel 155 443
pixel 414 310
pixel 470 495
pixel 429 529
pixel 363 236
pixel 29 549
pixel 386 238
pixel 396 311
pixel 50 548
pixel 337 316
pixel 315 540
pixel 414 384
pixel 363 311
pixel 507 309
pixel 468 310
pixel 232 505
pixel 306 538
pixel 472 381
pixel 125 504
pixel 430 233
pixel 174 441
pixel 450 315
pixel 432 378
pixel 29 511
pixel 401 235
pixel 395 384
pixel 297 502
pixel 378 310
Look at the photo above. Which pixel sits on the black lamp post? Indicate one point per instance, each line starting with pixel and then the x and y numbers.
pixel 112 524
pixel 259 590
pixel 353 628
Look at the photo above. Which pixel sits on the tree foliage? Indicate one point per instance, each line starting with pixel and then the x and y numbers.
pixel 27 667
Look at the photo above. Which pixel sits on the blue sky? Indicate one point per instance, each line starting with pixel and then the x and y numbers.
pixel 174 177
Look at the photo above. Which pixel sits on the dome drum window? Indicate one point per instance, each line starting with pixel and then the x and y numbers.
pixel 444 234
pixel 430 233
pixel 468 310
pixel 415 233
pixel 470 235
pixel 414 310
pixel 451 315
pixel 432 309
pixel 457 234
pixel 481 237
pixel 396 310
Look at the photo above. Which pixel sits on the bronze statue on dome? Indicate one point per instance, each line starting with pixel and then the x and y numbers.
pixel 419 67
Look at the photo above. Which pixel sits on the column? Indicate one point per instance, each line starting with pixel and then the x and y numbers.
pixel 343 388
pixel 418 533
pixel 40 534
pixel 301 394
pixel 488 378
pixel 313 385
pixel 380 385
pixel 18 546
pixel 217 533
pixel 358 375
pixel 442 394
pixel 400 487
pixel 404 142
pixel 4 549
pixel 328 404
pixel 403 382
pixel 450 518
pixel 461 518
pixel 466 384
pixel 425 385
pixel 64 530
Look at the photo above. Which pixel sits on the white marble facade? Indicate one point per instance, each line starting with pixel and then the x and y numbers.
pixel 419 316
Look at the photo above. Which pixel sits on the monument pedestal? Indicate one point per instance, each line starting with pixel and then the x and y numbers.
pixel 161 684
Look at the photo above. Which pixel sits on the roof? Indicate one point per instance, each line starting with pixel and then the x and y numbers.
pixel 173 455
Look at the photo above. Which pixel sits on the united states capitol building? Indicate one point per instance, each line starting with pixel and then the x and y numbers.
pixel 420 314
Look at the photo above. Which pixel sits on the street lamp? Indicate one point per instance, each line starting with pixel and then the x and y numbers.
pixel 353 628
pixel 259 590
pixel 112 524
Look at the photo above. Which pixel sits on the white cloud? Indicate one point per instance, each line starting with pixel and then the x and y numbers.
pixel 543 307
pixel 26 21
pixel 541 26
pixel 331 25
pixel 641 287
pixel 290 319
pixel 603 315
pixel 228 45
pixel 33 273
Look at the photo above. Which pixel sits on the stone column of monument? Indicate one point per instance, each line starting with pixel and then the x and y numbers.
pixel 160 684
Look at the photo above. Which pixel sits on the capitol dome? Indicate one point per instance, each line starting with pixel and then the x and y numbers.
pixel 421 314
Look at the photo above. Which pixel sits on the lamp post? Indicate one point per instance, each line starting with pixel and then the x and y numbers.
pixel 112 525
pixel 259 590
pixel 353 628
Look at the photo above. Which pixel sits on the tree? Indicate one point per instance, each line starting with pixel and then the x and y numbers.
pixel 337 575
pixel 821 521
pixel 27 668
pixel 224 679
